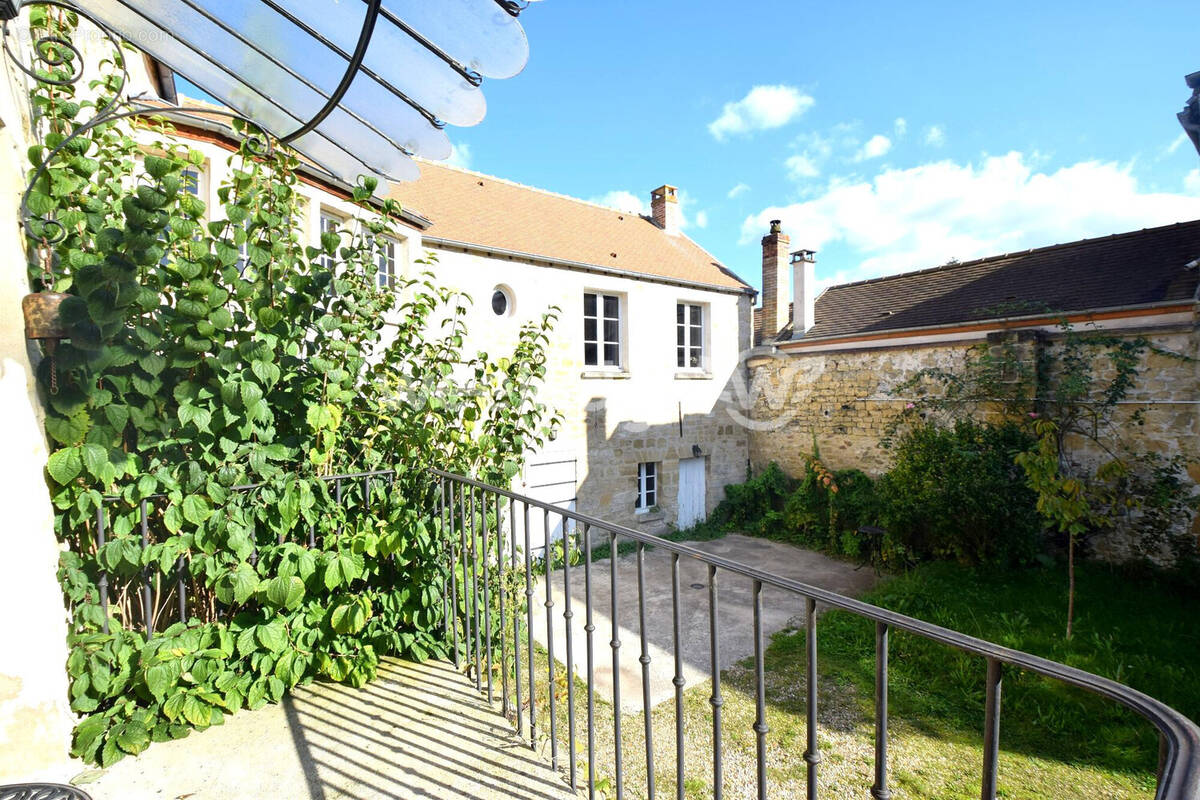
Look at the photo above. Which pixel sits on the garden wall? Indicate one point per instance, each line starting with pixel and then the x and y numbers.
pixel 846 399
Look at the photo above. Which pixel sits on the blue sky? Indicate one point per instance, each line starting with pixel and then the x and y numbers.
pixel 887 136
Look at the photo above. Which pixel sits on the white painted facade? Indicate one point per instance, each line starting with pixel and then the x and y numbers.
pixel 613 417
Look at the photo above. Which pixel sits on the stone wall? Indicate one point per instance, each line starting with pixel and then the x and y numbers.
pixel 844 400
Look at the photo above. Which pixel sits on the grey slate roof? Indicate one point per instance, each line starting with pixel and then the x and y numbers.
pixel 1135 268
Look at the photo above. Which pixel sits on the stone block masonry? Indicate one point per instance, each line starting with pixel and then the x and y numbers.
pixel 846 400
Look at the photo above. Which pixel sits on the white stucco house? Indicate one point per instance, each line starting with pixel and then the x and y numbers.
pixel 647 348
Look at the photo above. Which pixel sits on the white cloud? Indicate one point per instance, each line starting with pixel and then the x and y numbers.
pixel 763 108
pixel 801 166
pixel 622 200
pixel 900 126
pixel 701 219
pixel 875 147
pixel 935 135
pixel 1191 182
pixel 1175 145
pixel 460 156
pixel 906 219
pixel 740 189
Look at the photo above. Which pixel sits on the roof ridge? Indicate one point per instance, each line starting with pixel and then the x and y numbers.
pixel 520 185
pixel 1013 254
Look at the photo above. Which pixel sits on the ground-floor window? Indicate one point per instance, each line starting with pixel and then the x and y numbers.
pixel 647 486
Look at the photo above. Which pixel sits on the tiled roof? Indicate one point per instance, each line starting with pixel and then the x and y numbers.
pixel 490 212
pixel 1136 268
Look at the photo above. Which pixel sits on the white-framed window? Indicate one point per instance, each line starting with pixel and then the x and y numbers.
pixel 385 258
pixel 689 336
pixel 601 329
pixel 330 223
pixel 647 486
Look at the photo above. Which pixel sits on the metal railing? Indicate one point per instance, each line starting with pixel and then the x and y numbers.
pixel 154 587
pixel 473 513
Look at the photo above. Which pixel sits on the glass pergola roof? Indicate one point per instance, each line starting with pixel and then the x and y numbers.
pixel 357 86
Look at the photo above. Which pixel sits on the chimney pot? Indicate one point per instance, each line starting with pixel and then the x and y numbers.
pixel 776 226
pixel 803 285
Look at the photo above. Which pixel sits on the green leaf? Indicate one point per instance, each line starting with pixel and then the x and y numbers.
pixel 196 509
pixel 160 678
pixel 133 737
pixel 272 636
pixel 285 592
pixel 65 465
pixel 237 584
pixel 95 458
pixel 157 166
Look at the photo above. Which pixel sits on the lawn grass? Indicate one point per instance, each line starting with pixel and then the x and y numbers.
pixel 1055 742
pixel 1138 632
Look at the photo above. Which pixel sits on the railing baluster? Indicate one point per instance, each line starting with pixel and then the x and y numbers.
pixel 678 680
pixel 503 627
pixel 440 502
pixel 454 579
pixel 615 644
pixel 485 540
pixel 760 694
pixel 516 616
pixel 644 660
pixel 880 790
pixel 812 755
pixel 529 633
pixel 549 558
pixel 475 594
pixel 568 616
pixel 147 601
pixel 465 554
pixel 991 729
pixel 589 628
pixel 102 583
pixel 181 587
pixel 715 700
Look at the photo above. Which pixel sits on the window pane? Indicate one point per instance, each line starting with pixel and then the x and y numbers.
pixel 695 315
pixel 697 357
pixel 611 356
pixel 680 334
pixel 589 329
pixel 500 303
pixel 612 331
pixel 679 356
pixel 589 354
pixel 611 306
pixel 679 312
pixel 589 305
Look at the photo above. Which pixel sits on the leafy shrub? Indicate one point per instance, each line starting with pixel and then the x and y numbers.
pixel 211 349
pixel 756 506
pixel 956 493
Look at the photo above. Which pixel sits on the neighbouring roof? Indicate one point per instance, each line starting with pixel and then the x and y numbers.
pixel 1126 269
pixel 487 212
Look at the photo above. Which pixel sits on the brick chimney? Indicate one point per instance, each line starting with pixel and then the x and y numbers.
pixel 664 209
pixel 774 281
pixel 804 285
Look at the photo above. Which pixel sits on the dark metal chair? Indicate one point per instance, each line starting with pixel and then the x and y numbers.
pixel 42 791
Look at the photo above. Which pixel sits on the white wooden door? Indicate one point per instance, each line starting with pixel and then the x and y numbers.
pixel 691 492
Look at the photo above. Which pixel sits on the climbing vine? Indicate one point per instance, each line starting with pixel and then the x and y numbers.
pixel 218 371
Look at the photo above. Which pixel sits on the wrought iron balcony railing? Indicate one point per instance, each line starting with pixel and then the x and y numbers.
pixel 490 542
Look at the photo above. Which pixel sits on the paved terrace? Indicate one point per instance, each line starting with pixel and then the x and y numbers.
pixel 420 730
pixel 735 606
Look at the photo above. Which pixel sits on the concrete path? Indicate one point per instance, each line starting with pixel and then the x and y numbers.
pixel 418 731
pixel 734 604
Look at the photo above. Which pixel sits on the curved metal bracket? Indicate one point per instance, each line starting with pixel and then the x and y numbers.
pixel 356 59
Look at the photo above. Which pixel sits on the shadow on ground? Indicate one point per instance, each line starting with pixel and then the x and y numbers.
pixel 420 730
